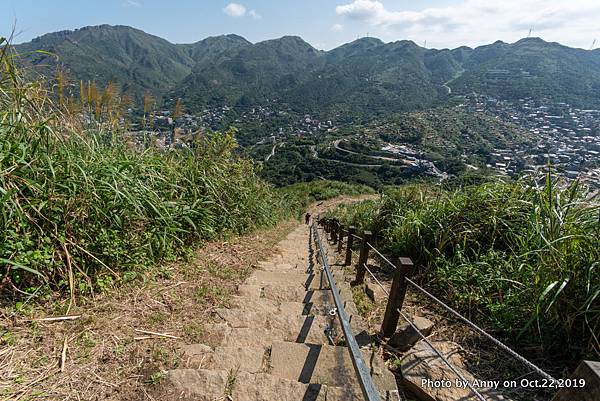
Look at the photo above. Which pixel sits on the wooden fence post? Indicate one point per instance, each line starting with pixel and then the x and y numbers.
pixel 397 293
pixel 362 258
pixel 340 238
pixel 349 244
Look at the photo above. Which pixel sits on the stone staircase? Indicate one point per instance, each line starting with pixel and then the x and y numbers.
pixel 272 343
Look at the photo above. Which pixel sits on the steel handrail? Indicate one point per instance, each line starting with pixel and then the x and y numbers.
pixel 362 371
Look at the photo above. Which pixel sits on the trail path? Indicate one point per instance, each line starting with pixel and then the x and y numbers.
pixel 271 344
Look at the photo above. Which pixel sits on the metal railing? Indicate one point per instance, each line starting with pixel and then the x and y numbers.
pixel 362 371
pixel 401 280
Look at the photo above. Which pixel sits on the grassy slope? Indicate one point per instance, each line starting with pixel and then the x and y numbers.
pixel 103 359
pixel 519 259
pixel 83 208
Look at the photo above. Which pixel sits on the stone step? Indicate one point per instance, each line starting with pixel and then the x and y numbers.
pixel 283 254
pixel 273 292
pixel 268 306
pixel 261 277
pixel 274 295
pixel 305 363
pixel 246 359
pixel 285 328
pixel 236 331
pixel 284 293
pixel 271 298
pixel 300 267
pixel 285 274
pixel 211 385
pixel 318 363
pixel 288 327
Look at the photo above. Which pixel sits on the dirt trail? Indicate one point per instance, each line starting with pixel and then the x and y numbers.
pixel 272 343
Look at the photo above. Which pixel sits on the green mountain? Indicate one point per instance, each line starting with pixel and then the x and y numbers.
pixel 533 68
pixel 367 77
pixel 210 47
pixel 132 58
pixel 250 73
pixel 363 75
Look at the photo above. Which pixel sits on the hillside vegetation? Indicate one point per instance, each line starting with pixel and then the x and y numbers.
pixel 84 208
pixel 520 259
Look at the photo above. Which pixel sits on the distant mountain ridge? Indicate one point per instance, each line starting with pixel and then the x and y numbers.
pixel 365 76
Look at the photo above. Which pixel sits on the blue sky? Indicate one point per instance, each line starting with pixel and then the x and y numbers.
pixel 323 23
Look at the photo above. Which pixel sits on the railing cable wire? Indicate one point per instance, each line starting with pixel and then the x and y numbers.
pixel 357 237
pixel 446 361
pixel 439 354
pixel 376 280
pixel 381 255
pixel 467 321
pixel 481 331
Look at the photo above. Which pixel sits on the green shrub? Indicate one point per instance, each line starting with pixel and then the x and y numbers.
pixel 86 202
pixel 522 258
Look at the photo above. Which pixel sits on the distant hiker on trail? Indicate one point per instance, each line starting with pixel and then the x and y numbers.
pixel 307 218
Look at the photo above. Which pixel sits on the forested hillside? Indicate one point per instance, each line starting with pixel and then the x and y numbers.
pixel 366 77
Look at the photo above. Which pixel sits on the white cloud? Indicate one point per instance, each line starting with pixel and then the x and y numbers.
pixel 132 3
pixel 254 14
pixel 235 10
pixel 474 22
pixel 362 9
pixel 337 27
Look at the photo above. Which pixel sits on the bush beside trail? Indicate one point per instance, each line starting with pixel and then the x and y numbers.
pixel 520 258
pixel 84 206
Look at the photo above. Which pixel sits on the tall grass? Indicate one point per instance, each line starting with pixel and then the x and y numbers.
pixel 79 207
pixel 82 207
pixel 520 257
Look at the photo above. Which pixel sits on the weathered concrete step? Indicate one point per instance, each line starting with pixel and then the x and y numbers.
pixel 317 363
pixel 306 363
pixel 246 359
pixel 291 255
pixel 211 385
pixel 285 274
pixel 267 306
pixel 302 280
pixel 273 292
pixel 236 331
pixel 278 293
pixel 288 327
pixel 298 267
pixel 293 329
